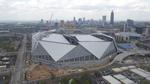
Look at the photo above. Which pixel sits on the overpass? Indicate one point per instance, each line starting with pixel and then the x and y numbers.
pixel 122 56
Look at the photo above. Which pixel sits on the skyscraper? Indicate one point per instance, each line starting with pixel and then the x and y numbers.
pixel 74 19
pixel 42 21
pixel 83 19
pixel 130 23
pixel 103 20
pixel 112 18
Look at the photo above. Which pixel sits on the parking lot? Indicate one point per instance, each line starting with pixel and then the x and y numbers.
pixel 136 59
pixel 7 61
pixel 125 71
pixel 4 79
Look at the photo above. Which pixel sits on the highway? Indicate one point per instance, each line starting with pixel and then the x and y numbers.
pixel 17 73
pixel 120 57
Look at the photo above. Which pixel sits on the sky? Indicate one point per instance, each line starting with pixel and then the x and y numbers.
pixel 67 9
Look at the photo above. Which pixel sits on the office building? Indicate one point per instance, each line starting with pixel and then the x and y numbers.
pixel 112 18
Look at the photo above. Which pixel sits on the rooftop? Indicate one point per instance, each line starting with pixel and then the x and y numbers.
pixel 128 34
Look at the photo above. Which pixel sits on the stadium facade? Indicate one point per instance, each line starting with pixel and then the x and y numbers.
pixel 54 48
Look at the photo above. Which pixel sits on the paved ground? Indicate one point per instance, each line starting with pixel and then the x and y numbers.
pixel 17 73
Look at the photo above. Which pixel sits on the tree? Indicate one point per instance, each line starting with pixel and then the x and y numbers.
pixel 52 76
pixel 85 79
pixel 72 81
pixel 42 82
pixel 144 82
pixel 64 80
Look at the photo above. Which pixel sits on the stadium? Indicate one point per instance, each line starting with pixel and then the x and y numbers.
pixel 53 48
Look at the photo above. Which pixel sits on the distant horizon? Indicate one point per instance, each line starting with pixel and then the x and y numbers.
pixel 25 10
pixel 5 21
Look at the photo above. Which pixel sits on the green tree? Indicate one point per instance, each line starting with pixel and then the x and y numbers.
pixel 52 76
pixel 72 81
pixel 64 80
pixel 42 82
pixel 85 79
pixel 144 82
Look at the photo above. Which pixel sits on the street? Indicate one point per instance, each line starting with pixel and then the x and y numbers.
pixel 17 73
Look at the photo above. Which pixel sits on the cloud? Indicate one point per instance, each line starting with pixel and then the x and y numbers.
pixel 66 9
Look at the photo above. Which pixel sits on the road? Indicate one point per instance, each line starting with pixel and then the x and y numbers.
pixel 17 73
pixel 123 55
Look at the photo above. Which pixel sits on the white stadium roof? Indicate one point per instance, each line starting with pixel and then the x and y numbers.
pixel 55 38
pixel 72 46
pixel 56 50
pixel 87 38
pixel 96 48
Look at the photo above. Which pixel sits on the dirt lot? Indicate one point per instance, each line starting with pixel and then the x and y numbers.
pixel 42 71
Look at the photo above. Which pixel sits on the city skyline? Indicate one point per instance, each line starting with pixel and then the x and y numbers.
pixel 67 9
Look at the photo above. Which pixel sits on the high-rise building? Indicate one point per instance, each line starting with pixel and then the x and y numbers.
pixel 130 23
pixel 125 28
pixel 47 22
pixel 80 21
pixel 62 23
pixel 104 20
pixel 147 30
pixel 112 18
pixel 42 21
pixel 74 19
pixel 56 25
pixel 83 19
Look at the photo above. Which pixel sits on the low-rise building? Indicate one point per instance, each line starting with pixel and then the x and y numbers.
pixel 127 36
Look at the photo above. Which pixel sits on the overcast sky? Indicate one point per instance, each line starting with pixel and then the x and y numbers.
pixel 67 9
